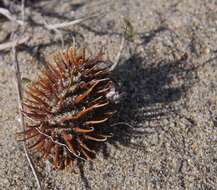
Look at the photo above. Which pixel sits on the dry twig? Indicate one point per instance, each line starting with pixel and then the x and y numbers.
pixel 19 92
pixel 11 17
pixel 59 143
pixel 56 27
pixel 66 24
pixel 13 45
pixel 23 10
pixel 8 45
pixel 117 59
pixel 122 123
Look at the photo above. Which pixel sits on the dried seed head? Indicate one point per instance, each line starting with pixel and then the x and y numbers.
pixel 67 106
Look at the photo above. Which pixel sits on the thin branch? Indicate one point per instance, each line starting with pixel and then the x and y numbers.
pixel 19 92
pixel 57 31
pixel 117 59
pixel 11 17
pixel 123 123
pixel 23 10
pixel 57 142
pixel 66 24
pixel 8 45
pixel 56 27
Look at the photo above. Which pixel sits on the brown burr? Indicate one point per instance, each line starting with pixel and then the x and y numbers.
pixel 66 108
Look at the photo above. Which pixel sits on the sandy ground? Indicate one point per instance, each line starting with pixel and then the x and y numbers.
pixel 167 75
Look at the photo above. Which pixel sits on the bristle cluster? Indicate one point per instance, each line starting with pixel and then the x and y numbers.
pixel 66 107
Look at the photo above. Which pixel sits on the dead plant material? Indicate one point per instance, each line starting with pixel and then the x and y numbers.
pixel 20 104
pixel 67 107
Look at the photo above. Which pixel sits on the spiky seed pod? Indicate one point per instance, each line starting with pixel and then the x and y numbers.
pixel 66 107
